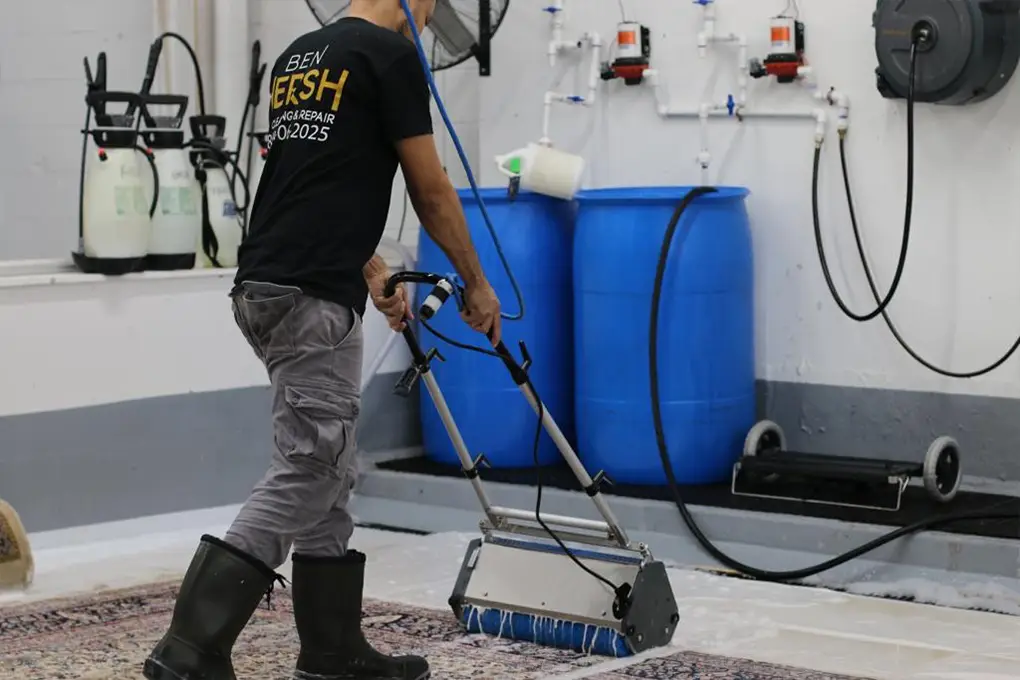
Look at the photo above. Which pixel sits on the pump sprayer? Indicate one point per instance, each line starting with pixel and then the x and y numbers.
pixel 114 215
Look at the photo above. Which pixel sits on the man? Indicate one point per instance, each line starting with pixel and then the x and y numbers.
pixel 348 103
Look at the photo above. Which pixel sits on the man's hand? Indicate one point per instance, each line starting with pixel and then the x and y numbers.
pixel 481 310
pixel 396 308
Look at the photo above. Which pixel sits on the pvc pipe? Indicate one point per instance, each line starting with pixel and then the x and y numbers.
pixel 594 40
pixel 704 156
pixel 842 103
pixel 743 68
pixel 594 76
pixel 557 44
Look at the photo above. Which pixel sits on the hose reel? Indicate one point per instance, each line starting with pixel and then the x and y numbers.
pixel 968 49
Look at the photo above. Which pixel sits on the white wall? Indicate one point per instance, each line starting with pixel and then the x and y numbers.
pixel 71 338
pixel 43 91
pixel 960 294
pixel 72 341
pixel 961 287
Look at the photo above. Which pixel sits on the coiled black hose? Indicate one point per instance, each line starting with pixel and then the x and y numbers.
pixel 992 512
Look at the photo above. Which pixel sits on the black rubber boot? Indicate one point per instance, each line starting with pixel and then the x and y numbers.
pixel 327 610
pixel 219 594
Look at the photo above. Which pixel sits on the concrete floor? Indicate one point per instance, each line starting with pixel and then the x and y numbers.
pixel 806 627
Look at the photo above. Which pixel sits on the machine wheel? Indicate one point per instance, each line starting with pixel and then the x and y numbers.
pixel 764 435
pixel 942 471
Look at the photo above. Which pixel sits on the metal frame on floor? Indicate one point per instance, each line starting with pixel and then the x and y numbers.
pixel 768 540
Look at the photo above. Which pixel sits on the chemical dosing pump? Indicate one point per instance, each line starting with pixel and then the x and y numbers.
pixel 633 51
pixel 787 53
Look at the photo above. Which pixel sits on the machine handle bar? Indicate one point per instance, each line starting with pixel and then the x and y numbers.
pixel 442 290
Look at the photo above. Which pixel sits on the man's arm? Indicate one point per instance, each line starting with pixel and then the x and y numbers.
pixel 374 267
pixel 437 205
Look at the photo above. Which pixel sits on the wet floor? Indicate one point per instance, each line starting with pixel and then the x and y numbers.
pixel 806 627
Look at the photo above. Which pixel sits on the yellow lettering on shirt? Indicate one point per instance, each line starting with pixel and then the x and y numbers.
pixel 337 87
pixel 294 88
pixel 309 81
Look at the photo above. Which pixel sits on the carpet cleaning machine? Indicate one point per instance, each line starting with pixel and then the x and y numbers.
pixel 520 579
pixel 194 217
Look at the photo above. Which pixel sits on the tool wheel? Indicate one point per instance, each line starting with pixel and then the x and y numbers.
pixel 942 470
pixel 763 436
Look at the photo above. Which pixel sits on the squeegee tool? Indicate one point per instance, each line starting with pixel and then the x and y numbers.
pixel 583 586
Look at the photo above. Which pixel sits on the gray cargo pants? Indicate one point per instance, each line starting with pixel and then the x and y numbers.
pixel 312 350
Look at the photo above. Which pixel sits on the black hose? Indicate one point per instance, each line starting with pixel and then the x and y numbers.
pixel 882 303
pixel 199 83
pixel 874 290
pixel 81 176
pixel 150 157
pixel 660 437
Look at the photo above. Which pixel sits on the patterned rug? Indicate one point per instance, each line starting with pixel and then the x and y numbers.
pixel 107 636
pixel 15 553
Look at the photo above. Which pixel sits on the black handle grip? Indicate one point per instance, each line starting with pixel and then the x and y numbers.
pixel 200 126
pixel 178 100
pixel 101 71
pixel 100 98
pixel 150 70
pixel 408 277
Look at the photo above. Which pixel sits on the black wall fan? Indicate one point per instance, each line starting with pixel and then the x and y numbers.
pixel 459 30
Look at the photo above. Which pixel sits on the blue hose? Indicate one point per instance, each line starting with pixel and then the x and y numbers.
pixel 464 161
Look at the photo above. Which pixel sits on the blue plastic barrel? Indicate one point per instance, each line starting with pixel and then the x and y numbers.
pixel 536 233
pixel 706 333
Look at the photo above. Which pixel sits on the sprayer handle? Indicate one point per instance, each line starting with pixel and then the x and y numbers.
pixel 200 126
pixel 178 100
pixel 100 98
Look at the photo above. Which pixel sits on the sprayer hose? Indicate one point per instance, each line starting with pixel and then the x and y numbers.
pixel 991 512
pixel 199 83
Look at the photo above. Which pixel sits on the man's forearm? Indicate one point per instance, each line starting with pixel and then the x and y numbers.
pixel 374 267
pixel 443 219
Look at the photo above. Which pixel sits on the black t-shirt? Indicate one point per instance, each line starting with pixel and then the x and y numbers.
pixel 340 97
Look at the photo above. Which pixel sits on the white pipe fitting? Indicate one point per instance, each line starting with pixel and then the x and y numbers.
pixel 594 75
pixel 842 103
pixel 555 44
pixel 743 69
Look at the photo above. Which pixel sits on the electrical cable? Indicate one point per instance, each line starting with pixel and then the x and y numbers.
pixel 904 245
pixel 464 161
pixel 990 513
